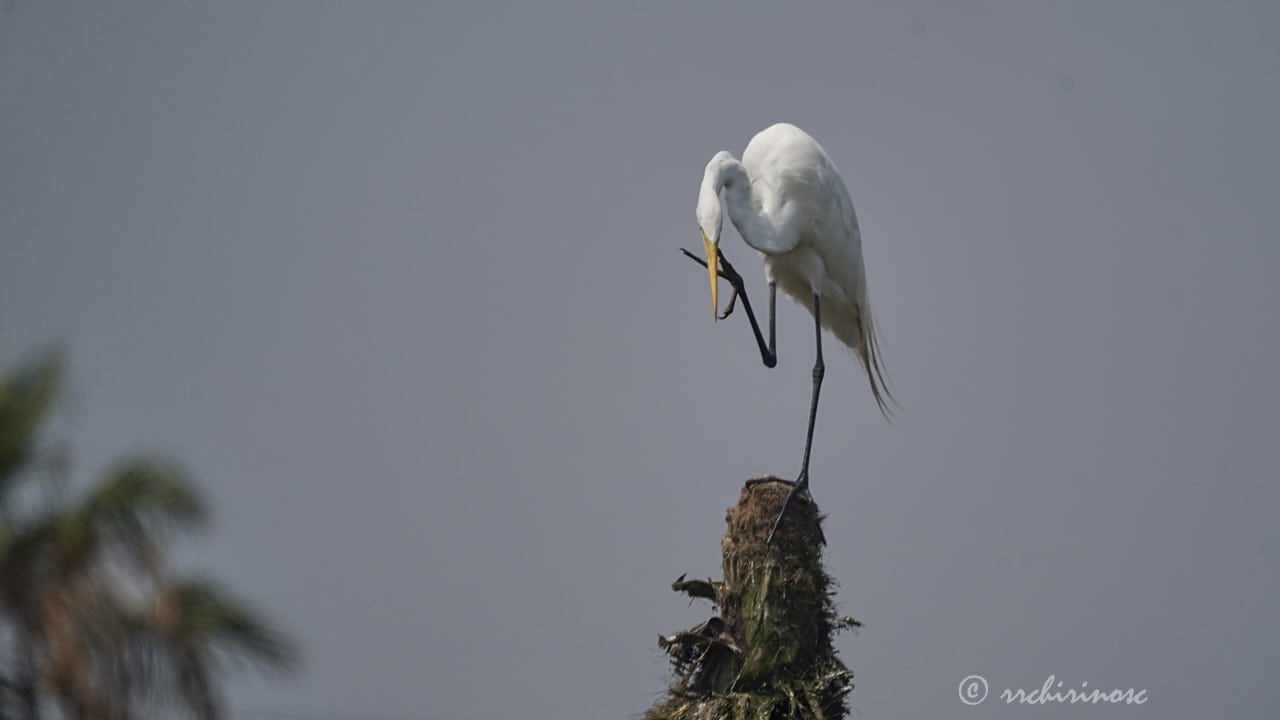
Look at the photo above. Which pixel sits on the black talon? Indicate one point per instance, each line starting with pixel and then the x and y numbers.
pixel 728 309
pixel 768 353
pixel 699 260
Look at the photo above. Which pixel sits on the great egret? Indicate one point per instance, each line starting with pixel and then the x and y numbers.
pixel 788 201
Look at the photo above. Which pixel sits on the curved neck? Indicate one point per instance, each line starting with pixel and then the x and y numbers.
pixel 757 228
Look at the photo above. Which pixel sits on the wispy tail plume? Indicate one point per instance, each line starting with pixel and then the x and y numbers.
pixel 873 364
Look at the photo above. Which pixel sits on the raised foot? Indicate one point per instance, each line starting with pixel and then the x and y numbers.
pixel 726 271
pixel 728 309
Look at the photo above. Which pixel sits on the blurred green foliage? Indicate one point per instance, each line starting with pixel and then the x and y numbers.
pixel 92 625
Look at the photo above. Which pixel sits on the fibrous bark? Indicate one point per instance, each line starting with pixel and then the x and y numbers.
pixel 769 653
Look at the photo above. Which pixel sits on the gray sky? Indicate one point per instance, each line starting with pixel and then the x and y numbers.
pixel 399 282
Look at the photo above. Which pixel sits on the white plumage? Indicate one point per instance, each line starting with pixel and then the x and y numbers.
pixel 788 201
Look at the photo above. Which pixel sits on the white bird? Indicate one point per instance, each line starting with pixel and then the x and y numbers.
pixel 788 202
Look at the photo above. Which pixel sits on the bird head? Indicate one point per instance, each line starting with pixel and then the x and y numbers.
pixel 710 220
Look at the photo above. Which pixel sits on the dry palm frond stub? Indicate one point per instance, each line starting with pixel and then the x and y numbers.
pixel 769 654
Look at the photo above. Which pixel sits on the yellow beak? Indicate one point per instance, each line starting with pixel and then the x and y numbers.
pixel 711 274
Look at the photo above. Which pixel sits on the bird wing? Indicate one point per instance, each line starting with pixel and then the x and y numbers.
pixel 842 253
pixel 796 181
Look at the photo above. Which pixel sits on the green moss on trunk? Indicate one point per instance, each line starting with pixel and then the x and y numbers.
pixel 769 654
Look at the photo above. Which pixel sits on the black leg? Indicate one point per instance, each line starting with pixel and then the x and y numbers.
pixel 819 369
pixel 768 353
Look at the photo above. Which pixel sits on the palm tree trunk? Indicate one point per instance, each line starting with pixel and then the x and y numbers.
pixel 769 653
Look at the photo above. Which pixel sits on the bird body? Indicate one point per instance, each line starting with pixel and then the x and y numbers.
pixel 788 201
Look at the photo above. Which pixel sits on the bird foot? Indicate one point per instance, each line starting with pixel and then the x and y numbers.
pixel 801 485
pixel 726 271
pixel 728 309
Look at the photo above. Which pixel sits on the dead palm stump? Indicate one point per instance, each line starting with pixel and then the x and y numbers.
pixel 768 655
